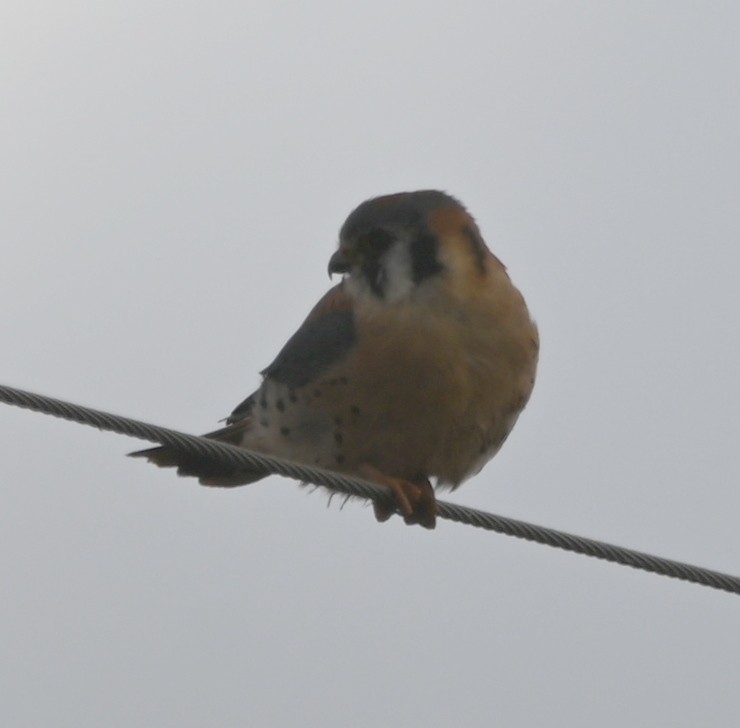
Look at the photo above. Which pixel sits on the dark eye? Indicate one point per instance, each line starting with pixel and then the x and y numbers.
pixel 375 242
pixel 372 246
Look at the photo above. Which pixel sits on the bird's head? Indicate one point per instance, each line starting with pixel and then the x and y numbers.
pixel 390 247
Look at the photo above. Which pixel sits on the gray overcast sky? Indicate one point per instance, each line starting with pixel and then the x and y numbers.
pixel 174 176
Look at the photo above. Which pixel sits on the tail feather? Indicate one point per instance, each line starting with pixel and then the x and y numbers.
pixel 208 470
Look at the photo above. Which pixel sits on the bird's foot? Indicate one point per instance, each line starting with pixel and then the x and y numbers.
pixel 413 498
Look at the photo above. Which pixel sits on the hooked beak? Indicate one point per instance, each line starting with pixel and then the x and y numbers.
pixel 339 262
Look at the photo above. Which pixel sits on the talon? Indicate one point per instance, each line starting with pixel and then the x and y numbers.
pixel 414 499
pixel 425 504
pixel 382 511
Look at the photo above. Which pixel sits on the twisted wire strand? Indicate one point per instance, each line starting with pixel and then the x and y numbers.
pixel 357 487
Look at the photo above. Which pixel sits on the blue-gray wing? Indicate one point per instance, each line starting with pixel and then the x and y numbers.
pixel 324 338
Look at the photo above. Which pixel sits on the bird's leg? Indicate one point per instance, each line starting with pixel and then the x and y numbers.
pixel 413 498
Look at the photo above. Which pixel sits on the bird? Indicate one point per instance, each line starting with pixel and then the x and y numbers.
pixel 414 367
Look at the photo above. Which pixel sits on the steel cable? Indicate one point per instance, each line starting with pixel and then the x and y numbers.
pixel 357 487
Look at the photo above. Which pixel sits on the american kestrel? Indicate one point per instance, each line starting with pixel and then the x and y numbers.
pixel 415 366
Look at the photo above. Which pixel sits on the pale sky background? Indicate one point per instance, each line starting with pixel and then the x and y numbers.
pixel 174 175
